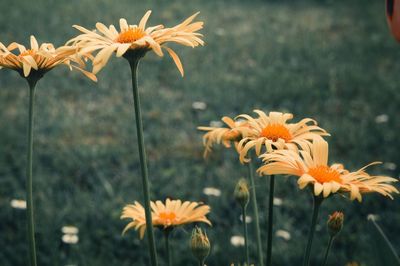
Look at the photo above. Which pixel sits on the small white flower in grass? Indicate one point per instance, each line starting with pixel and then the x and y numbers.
pixel 237 241
pixel 212 191
pixel 220 31
pixel 248 219
pixel 199 106
pixel 68 229
pixel 372 217
pixel 283 234
pixel 278 202
pixel 18 204
pixel 390 166
pixel 318 228
pixel 383 118
pixel 216 123
pixel 70 239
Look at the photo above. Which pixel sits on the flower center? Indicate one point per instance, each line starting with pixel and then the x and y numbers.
pixel 27 52
pixel 275 132
pixel 130 35
pixel 324 174
pixel 167 217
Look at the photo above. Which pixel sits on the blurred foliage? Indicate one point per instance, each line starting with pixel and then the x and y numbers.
pixel 331 60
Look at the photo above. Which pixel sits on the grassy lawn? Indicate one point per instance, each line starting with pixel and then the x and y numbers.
pixel 334 61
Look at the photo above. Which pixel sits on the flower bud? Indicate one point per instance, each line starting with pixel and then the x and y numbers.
pixel 200 244
pixel 242 193
pixel 335 223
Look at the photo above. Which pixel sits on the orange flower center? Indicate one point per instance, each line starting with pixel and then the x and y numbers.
pixel 324 174
pixel 130 35
pixel 167 217
pixel 27 52
pixel 275 132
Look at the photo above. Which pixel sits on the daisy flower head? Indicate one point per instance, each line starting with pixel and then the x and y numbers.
pixel 35 61
pixel 273 132
pixel 165 216
pixel 137 39
pixel 311 166
pixel 232 132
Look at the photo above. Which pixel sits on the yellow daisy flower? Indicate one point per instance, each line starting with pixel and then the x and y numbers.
pixel 169 215
pixel 39 59
pixel 137 37
pixel 234 132
pixel 311 165
pixel 273 132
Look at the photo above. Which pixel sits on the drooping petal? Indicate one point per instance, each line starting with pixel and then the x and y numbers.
pixel 176 59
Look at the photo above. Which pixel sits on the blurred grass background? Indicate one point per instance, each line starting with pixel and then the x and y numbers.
pixel 334 61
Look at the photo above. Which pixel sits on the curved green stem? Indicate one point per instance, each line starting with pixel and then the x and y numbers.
pixel 246 243
pixel 307 252
pixel 270 218
pixel 201 263
pixel 255 211
pixel 167 250
pixel 327 250
pixel 29 189
pixel 134 62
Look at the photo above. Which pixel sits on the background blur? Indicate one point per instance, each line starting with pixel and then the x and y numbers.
pixel 334 61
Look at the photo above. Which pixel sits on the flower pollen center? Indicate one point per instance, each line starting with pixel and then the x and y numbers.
pixel 167 218
pixel 27 52
pixel 324 174
pixel 130 35
pixel 275 132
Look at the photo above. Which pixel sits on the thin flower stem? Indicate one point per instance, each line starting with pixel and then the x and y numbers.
pixel 327 250
pixel 134 62
pixel 201 263
pixel 246 243
pixel 307 253
pixel 255 211
pixel 29 192
pixel 270 218
pixel 389 245
pixel 167 250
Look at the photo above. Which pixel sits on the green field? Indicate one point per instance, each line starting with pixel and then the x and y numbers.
pixel 334 61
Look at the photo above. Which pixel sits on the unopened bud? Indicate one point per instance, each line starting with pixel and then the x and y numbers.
pixel 242 193
pixel 335 223
pixel 200 244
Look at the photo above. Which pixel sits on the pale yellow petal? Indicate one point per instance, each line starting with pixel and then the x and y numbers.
pixel 26 68
pixel 317 188
pixel 123 25
pixel 143 21
pixel 34 43
pixel 176 60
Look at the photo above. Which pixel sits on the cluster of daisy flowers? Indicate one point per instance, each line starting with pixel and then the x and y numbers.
pixel 289 148
pixel 39 59
pixel 285 148
pixel 296 149
pixel 131 41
